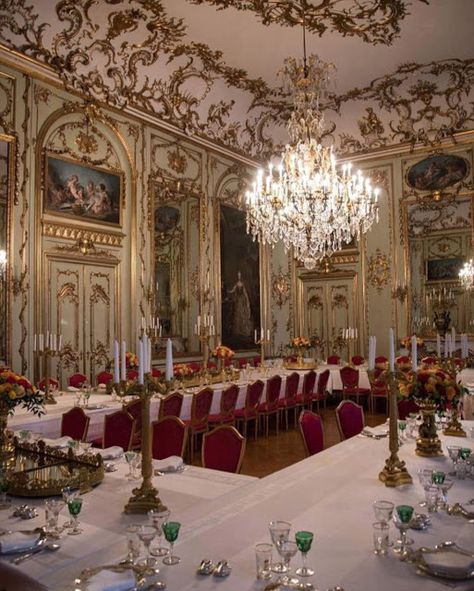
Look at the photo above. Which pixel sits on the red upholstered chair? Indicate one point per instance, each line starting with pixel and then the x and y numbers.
pixel 223 449
pixel 171 405
pixel 53 384
pixel 289 401
pixel 132 374
pixel 104 377
pixel 430 360
pixel 226 416
pixel 168 438
pixel 378 389
pixel 13 579
pixel 321 392
pixel 198 423
pixel 156 373
pixel 311 429
pixel 257 360
pixel 75 424
pixel 357 360
pixel 407 407
pixel 250 410
pixel 350 383
pixel 119 428
pixel 270 406
pixel 77 379
pixel 333 360
pixel 134 408
pixel 243 361
pixel 381 362
pixel 350 419
pixel 305 399
pixel 402 359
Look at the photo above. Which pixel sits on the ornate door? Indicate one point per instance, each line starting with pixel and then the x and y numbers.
pixel 82 307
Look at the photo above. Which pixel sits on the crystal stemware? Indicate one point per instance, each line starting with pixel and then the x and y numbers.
pixel 304 539
pixel 425 476
pixel 279 532
pixel 287 549
pixel 383 510
pixel 68 492
pixel 402 425
pixel 75 505
pixel 157 518
pixel 133 543
pixel 454 452
pixel 147 533
pixel 443 489
pixel 52 508
pixel 171 531
pixel 403 516
pixel 130 458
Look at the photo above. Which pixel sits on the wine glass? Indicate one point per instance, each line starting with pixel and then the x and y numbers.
pixel 425 476
pixel 130 458
pixel 279 532
pixel 86 392
pixel 133 543
pixel 402 517
pixel 136 465
pixel 171 531
pixel 304 539
pixel 287 549
pixel 68 492
pixel 402 425
pixel 146 533
pixel 443 489
pixel 74 505
pixel 454 452
pixel 157 518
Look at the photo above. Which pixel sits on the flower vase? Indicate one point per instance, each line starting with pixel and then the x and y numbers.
pixel 428 443
pixel 6 436
pixel 454 427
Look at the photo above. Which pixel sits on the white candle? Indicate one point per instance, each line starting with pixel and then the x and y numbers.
pixel 268 334
pixel 199 321
pixel 41 342
pixel 141 362
pixel 453 336
pixel 438 345
pixel 34 343
pixel 169 360
pixel 255 335
pixel 60 345
pixel 123 367
pixel 391 345
pixel 414 353
pixel 446 345
pixel 116 362
pixel 145 352
pixel 148 356
pixel 143 323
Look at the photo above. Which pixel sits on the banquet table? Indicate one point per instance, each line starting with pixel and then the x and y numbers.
pixel 330 494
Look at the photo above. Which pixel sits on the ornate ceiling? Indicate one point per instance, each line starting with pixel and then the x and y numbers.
pixel 405 67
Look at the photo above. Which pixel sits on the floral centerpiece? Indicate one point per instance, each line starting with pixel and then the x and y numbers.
pixel 131 360
pixel 223 352
pixel 183 370
pixel 15 390
pixel 299 345
pixel 406 342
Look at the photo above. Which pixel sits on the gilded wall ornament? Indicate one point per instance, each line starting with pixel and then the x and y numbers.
pixel 315 302
pixel 379 178
pixel 281 287
pixel 339 300
pixel 86 142
pixel 378 270
pixel 177 161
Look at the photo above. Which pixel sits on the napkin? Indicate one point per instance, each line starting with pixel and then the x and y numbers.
pixel 171 464
pixel 17 541
pixel 110 453
pixel 377 431
pixel 107 580
pixel 72 389
pixel 102 387
pixel 57 443
pixel 450 563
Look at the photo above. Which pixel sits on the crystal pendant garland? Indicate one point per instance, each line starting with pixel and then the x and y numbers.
pixel 305 202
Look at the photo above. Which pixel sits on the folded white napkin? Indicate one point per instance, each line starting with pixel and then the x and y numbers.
pixel 379 430
pixel 58 443
pixel 102 387
pixel 171 464
pixel 450 563
pixel 72 389
pixel 16 541
pixel 107 580
pixel 110 453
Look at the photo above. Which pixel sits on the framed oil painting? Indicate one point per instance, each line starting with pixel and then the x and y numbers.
pixel 437 172
pixel 443 269
pixel 80 191
pixel 240 281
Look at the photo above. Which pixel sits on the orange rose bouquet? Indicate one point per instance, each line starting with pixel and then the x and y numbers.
pixel 300 343
pixel 16 390
pixel 406 342
pixel 182 370
pixel 222 352
pixel 432 384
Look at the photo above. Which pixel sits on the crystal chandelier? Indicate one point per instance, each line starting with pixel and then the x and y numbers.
pixel 305 201
pixel 466 275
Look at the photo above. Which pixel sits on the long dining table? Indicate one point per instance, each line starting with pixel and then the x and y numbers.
pixel 223 516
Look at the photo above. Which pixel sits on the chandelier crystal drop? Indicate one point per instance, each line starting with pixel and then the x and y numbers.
pixel 305 201
pixel 466 275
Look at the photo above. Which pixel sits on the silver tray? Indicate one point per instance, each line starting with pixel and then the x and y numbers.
pixel 41 539
pixel 445 561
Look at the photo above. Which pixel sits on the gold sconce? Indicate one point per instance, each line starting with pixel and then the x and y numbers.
pixel 400 292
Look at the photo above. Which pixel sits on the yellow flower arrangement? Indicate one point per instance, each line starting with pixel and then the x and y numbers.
pixel 17 390
pixel 300 343
pixel 431 383
pixel 131 360
pixel 182 370
pixel 406 342
pixel 222 352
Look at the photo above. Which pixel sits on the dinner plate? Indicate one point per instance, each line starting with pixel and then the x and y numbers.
pixel 39 541
pixel 445 561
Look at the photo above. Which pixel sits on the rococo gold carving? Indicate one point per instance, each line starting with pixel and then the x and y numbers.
pixel 378 270
pixel 281 287
pixel 74 233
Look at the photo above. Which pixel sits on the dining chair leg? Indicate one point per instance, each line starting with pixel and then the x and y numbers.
pixel 286 418
pixel 256 427
pixel 276 421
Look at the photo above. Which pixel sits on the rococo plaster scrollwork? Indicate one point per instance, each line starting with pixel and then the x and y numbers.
pixel 281 287
pixel 378 270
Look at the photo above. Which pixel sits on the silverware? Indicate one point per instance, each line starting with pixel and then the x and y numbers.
pixel 222 569
pixel 206 567
pixel 51 547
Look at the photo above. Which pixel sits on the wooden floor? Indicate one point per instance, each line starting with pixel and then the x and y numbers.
pixel 272 453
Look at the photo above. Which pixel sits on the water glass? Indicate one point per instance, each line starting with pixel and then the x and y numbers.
pixel 279 532
pixel 287 549
pixel 147 533
pixel 263 556
pixel 381 537
pixel 454 452
pixel 171 531
pixel 157 518
pixel 52 508
pixel 383 510
pixel 443 489
pixel 133 543
pixel 425 476
pixel 304 539
pixel 431 496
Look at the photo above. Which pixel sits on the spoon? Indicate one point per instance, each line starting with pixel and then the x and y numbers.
pixel 51 547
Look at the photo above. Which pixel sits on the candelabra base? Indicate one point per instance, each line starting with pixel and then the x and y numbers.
pixel 394 472
pixel 49 399
pixel 428 447
pixel 454 427
pixel 143 499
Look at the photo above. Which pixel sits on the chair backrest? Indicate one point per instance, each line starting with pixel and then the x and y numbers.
pixel 135 409
pixel 381 359
pixel 168 438
pixel 254 395
pixel 311 429
pixel 171 405
pixel 243 361
pixel 309 381
pixel 104 377
pixel 51 381
pixel 357 359
pixel 119 429
pixel 429 360
pixel 132 374
pixel 223 449
pixel 378 383
pixel 229 400
pixel 291 389
pixel 350 419
pixel 349 377
pixel 75 424
pixel 257 360
pixel 156 373
pixel 333 359
pixel 201 406
pixel 272 392
pixel 77 379
pixel 407 407
pixel 323 382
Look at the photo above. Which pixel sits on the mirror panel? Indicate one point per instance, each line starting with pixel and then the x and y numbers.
pixel 176 226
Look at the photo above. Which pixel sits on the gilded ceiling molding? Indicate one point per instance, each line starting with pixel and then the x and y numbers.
pixel 374 21
pixel 53 230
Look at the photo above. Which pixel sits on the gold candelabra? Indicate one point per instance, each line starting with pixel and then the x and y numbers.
pixel 400 292
pixel 43 353
pixel 262 341
pixel 204 331
pixel 394 473
pixel 144 497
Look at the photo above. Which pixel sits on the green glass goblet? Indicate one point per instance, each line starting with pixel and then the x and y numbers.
pixel 75 505
pixel 304 539
pixel 403 516
pixel 465 453
pixel 171 531
pixel 438 477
